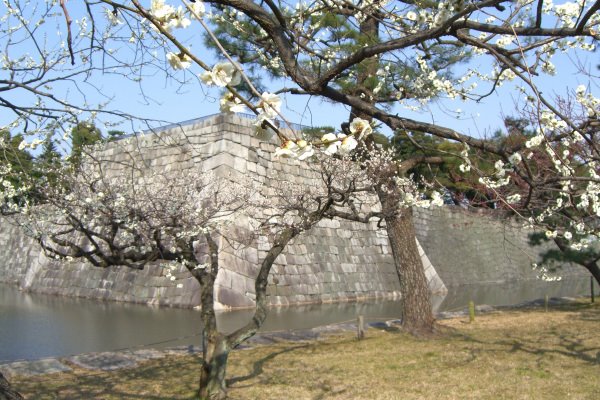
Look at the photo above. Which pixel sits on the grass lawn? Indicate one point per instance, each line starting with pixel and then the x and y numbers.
pixel 527 354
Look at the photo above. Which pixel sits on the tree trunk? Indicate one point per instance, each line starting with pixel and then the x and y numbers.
pixel 215 352
pixel 417 313
pixel 6 392
pixel 594 270
pixel 215 346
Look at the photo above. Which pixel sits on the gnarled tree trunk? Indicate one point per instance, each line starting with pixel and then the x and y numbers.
pixel 417 314
pixel 594 270
pixel 217 346
pixel 6 392
pixel 215 351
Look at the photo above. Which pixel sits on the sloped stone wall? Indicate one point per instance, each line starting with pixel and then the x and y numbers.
pixel 18 253
pixel 479 246
pixel 335 261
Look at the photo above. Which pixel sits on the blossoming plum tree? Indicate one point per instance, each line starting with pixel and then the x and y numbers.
pixel 370 55
pixel 131 214
pixel 375 57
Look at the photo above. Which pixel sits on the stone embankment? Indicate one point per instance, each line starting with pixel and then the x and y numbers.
pixel 335 261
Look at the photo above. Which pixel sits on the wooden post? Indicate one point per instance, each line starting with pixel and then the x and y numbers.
pixel 546 303
pixel 471 311
pixel 360 326
pixel 592 288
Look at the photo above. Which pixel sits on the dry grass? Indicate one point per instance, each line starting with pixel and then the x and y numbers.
pixel 526 354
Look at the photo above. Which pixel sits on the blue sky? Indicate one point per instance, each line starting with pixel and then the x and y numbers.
pixel 476 119
pixel 167 101
pixel 176 104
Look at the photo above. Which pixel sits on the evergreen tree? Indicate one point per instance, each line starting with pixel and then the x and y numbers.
pixel 82 135
pixel 19 166
pixel 48 161
pixel 114 134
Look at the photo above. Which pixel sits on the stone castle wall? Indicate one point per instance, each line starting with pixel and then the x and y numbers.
pixel 335 261
pixel 478 246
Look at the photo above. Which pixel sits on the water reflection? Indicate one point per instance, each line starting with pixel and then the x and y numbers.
pixel 35 326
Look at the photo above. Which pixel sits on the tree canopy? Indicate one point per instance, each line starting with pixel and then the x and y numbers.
pixel 378 60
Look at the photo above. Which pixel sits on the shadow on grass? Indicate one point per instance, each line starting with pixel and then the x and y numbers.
pixel 258 366
pixel 558 342
pixel 135 383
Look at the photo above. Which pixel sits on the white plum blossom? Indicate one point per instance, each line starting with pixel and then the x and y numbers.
pixel 229 103
pixel 33 145
pixel 464 167
pixel 338 143
pixel 197 9
pixel 299 149
pixel 179 61
pixel 332 143
pixel 360 127
pixel 513 198
pixel 505 40
pixel 347 145
pixel 222 74
pixel 544 274
pixel 305 150
pixel 534 141
pixel 168 16
pixel 567 12
pixel 112 16
pixel 436 199
pixel 500 171
pixel 464 154
pixel 206 77
pixel 515 159
pixel 160 10
pixel 270 104
pixel 494 183
pixel 287 149
pixel 178 19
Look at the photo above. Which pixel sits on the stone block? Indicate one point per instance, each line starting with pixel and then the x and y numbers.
pixel 218 160
pixel 231 298
pixel 242 284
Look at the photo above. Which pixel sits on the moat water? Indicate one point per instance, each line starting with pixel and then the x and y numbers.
pixel 34 326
